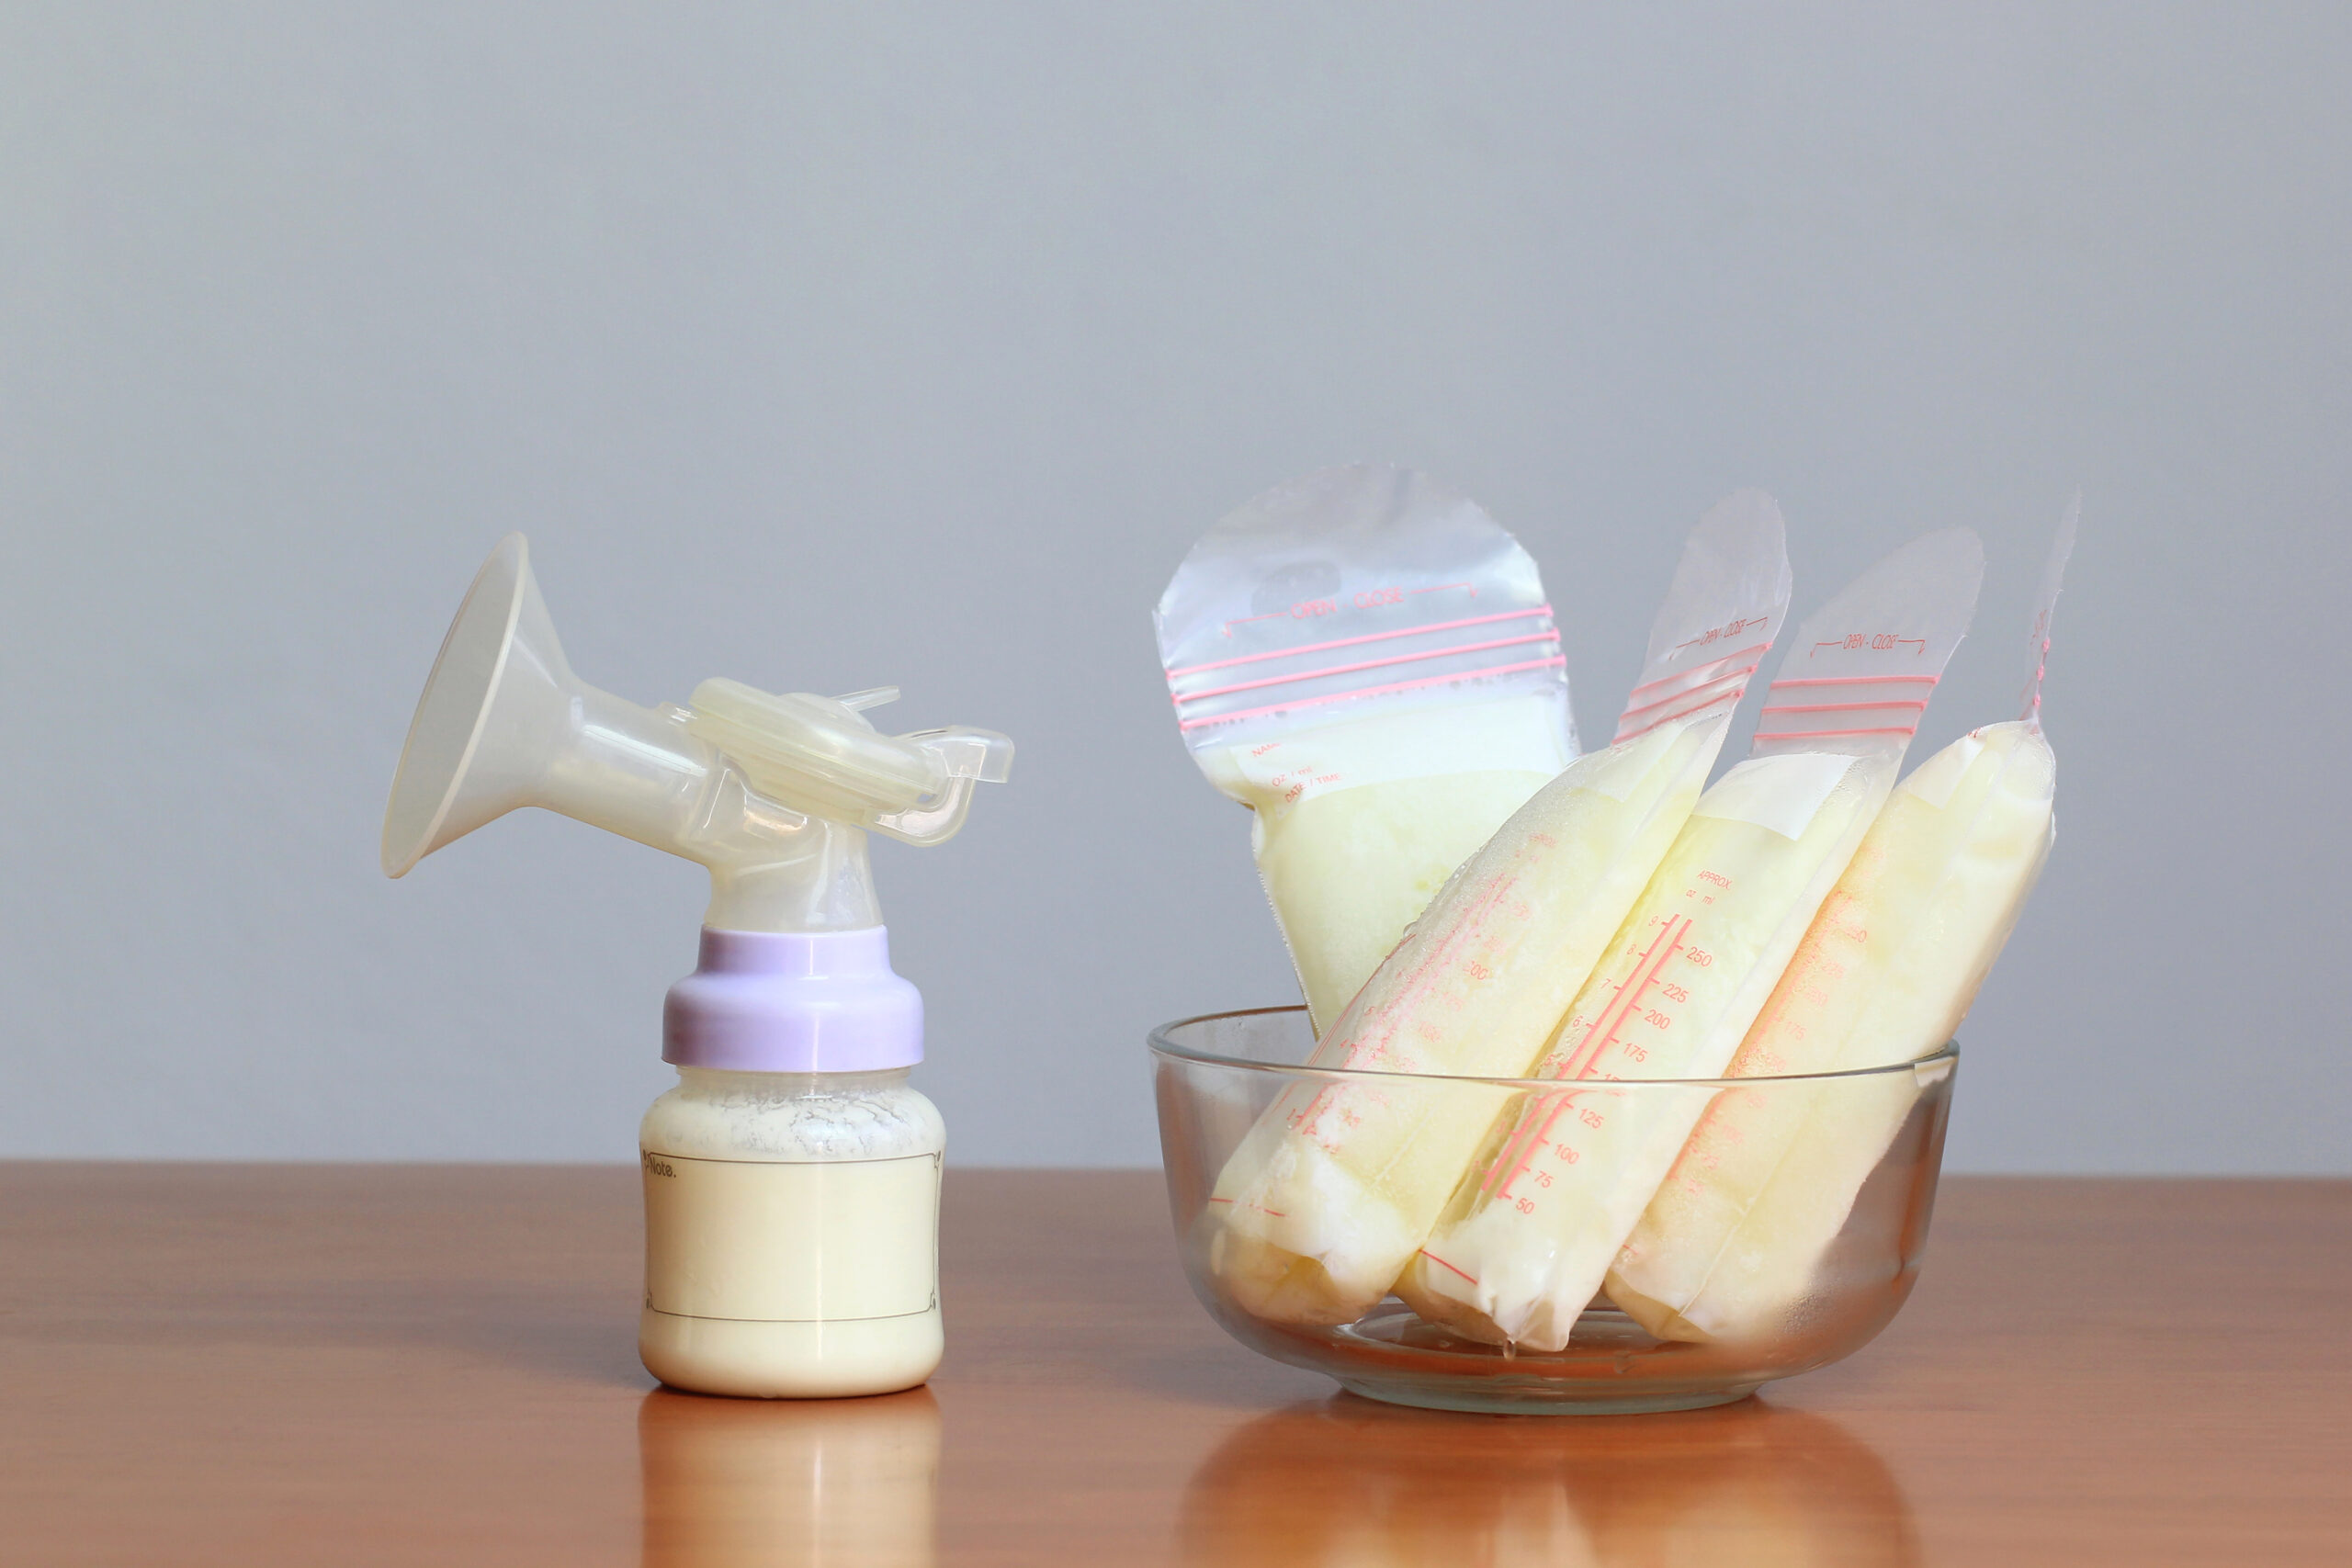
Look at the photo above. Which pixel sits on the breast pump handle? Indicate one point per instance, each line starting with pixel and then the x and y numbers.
pixel 772 793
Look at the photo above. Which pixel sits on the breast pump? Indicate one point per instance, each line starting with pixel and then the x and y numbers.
pixel 792 1177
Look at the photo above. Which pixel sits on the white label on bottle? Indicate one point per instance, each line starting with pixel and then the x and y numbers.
pixel 799 1242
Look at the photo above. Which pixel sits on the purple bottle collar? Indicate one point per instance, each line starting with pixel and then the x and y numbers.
pixel 794 1003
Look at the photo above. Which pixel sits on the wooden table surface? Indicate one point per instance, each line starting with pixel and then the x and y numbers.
pixel 350 1365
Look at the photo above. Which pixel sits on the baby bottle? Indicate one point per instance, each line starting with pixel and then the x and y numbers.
pixel 792 1178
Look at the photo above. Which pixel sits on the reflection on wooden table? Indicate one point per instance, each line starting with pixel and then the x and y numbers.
pixel 789 1484
pixel 735 1484
pixel 1347 1481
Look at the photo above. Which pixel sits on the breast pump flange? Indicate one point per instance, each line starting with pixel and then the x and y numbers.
pixel 792 1177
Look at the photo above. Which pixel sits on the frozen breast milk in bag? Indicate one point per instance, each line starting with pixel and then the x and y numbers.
pixel 1535 1223
pixel 1732 1244
pixel 1367 662
pixel 1324 1201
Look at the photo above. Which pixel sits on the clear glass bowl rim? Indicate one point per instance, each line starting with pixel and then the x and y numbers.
pixel 1938 1061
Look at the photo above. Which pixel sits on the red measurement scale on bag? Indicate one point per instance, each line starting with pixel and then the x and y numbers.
pixel 1633 1035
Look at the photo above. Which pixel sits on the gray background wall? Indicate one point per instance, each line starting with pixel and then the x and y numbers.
pixel 828 346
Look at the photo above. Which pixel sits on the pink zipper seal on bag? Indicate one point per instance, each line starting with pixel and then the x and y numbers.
pixel 1438 602
pixel 1734 573
pixel 2054 575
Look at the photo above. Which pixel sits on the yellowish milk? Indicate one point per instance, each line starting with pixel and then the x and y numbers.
pixel 1534 1223
pixel 1728 1248
pixel 1336 1184
pixel 791 1234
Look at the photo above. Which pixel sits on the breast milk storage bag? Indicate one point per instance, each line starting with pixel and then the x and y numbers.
pixel 1733 1244
pixel 1326 1200
pixel 1367 662
pixel 1536 1221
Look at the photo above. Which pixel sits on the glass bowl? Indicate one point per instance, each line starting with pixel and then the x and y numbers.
pixel 1810 1239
